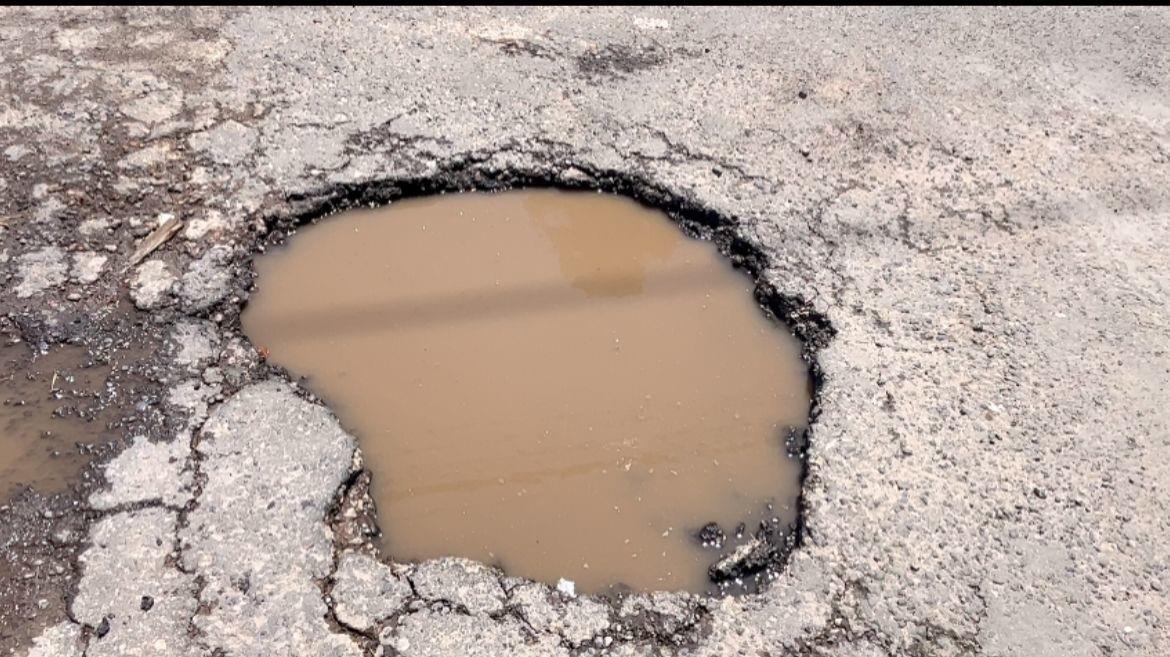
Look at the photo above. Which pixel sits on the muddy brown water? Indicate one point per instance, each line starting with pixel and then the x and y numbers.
pixel 559 383
pixel 50 410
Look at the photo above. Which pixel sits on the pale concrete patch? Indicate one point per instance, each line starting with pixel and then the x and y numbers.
pixel 228 143
pixel 443 634
pixel 130 586
pixel 211 222
pixel 149 156
pixel 193 398
pixel 273 463
pixel 194 343
pixel 155 107
pixel 60 640
pixel 147 471
pixel 88 266
pixel 152 284
pixel 207 280
pixel 463 582
pixel 366 591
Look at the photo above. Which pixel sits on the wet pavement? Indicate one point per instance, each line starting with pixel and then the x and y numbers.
pixel 963 215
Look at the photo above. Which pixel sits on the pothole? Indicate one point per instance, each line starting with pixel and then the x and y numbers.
pixel 561 384
pixel 53 407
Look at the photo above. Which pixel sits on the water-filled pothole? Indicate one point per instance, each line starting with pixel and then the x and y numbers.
pixel 52 408
pixel 558 383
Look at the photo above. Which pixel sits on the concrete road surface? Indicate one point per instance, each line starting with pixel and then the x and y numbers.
pixel 967 210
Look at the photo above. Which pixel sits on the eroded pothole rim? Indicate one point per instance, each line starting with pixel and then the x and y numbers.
pixel 789 312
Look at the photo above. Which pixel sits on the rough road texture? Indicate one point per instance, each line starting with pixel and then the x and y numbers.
pixel 978 201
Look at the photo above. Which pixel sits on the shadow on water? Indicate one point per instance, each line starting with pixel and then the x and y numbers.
pixel 476 305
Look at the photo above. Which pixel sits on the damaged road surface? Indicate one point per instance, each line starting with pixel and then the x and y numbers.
pixel 962 215
pixel 561 384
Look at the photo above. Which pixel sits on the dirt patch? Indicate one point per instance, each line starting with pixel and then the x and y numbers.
pixel 617 60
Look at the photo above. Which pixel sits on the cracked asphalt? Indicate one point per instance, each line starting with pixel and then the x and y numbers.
pixel 976 201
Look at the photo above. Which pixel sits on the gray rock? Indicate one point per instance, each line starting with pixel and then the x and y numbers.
pixel 211 222
pixel 40 270
pixel 207 280
pixel 16 151
pixel 93 227
pixel 147 157
pixel 152 284
pixel 60 640
pixel 87 266
pixel 194 343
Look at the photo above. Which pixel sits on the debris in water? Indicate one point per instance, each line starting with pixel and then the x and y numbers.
pixel 567 587
pixel 749 558
pixel 711 535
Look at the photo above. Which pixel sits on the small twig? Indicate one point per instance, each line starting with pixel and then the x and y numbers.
pixel 155 239
pixel 53 383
